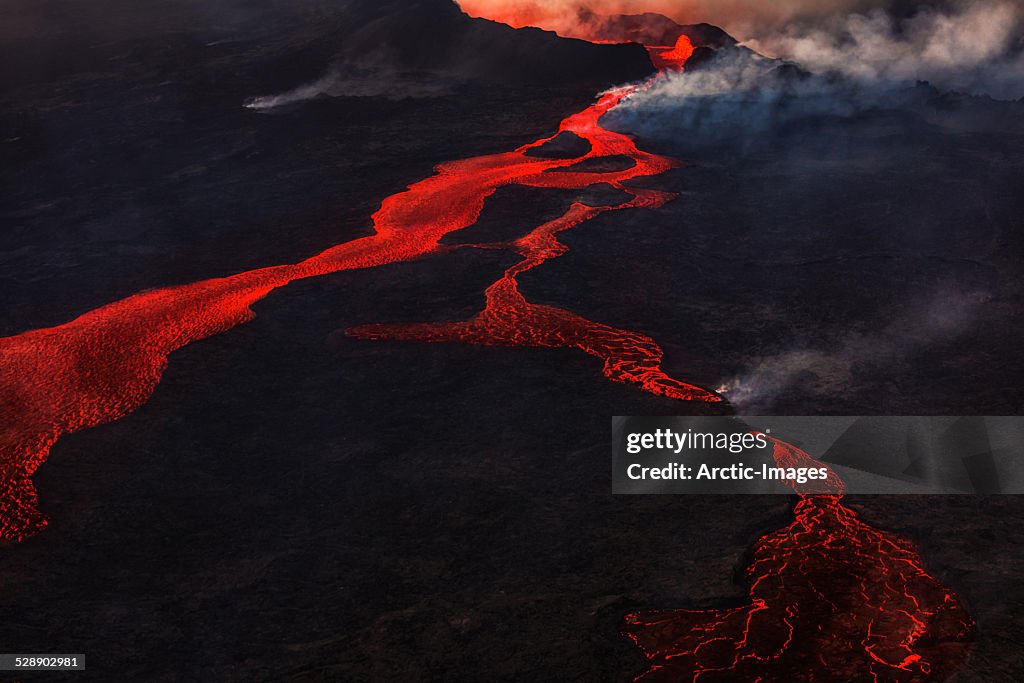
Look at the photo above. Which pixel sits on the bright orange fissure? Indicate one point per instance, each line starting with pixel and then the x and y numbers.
pixel 106 363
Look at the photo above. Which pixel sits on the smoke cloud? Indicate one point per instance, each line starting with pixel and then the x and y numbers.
pixel 856 64
pixel 973 47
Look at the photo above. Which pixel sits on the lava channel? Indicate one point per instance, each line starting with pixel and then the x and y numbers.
pixel 106 363
pixel 508 319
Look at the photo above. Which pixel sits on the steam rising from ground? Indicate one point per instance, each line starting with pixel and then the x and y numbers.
pixel 350 81
pixel 818 372
pixel 857 63
pixel 740 97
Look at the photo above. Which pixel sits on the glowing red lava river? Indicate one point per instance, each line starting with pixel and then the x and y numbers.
pixel 106 363
pixel 831 598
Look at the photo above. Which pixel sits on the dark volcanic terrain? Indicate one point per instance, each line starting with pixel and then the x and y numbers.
pixel 297 505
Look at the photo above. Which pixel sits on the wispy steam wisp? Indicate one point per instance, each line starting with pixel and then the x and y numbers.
pixel 348 81
pixel 821 373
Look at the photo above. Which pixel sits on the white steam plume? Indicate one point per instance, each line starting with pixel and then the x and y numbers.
pixel 973 46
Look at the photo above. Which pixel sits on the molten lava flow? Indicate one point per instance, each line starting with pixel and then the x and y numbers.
pixel 508 319
pixel 106 363
pixel 672 58
pixel 831 599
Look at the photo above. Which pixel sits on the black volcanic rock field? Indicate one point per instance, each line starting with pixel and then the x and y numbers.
pixel 297 505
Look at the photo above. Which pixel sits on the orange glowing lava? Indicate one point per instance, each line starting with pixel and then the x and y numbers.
pixel 106 363
pixel 672 58
pixel 508 319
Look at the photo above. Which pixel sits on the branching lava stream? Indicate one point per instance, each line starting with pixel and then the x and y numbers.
pixel 831 598
pixel 106 363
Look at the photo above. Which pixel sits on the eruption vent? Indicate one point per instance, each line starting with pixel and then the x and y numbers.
pixel 672 58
